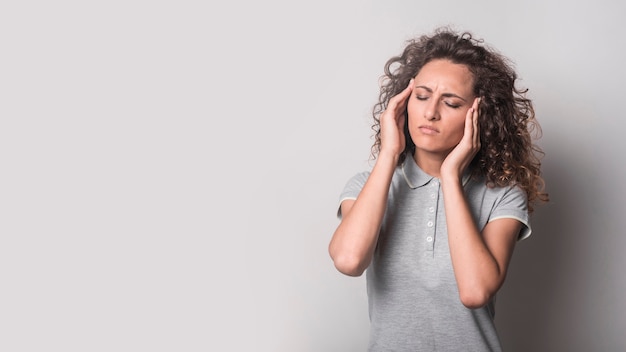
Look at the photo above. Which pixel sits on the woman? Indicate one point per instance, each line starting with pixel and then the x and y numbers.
pixel 436 219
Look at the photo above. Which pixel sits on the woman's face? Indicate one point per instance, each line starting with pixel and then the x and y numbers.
pixel 442 95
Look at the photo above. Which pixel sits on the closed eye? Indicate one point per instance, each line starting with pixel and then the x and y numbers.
pixel 453 105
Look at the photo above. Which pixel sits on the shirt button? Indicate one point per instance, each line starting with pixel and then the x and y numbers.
pixel 433 196
pixel 429 239
pixel 431 209
pixel 430 224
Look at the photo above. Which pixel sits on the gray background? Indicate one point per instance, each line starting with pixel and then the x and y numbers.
pixel 170 170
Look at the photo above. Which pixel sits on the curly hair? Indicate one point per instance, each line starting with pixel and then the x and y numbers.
pixel 507 118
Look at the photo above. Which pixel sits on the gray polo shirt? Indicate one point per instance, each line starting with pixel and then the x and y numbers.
pixel 413 298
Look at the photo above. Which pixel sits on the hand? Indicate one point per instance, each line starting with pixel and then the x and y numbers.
pixel 460 157
pixel 392 139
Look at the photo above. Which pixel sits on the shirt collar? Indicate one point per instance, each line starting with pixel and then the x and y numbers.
pixel 415 177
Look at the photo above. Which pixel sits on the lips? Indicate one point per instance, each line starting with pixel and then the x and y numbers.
pixel 428 129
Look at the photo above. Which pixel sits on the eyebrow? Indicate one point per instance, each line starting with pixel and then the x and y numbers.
pixel 444 94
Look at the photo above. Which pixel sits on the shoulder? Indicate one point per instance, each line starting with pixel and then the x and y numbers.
pixel 357 181
pixel 500 202
pixel 478 188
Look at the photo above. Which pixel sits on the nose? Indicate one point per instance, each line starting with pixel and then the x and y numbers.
pixel 431 111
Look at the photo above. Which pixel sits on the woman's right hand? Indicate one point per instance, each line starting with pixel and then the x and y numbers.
pixel 354 241
pixel 392 139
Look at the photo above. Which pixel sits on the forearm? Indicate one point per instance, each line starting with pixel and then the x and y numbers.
pixel 476 270
pixel 353 243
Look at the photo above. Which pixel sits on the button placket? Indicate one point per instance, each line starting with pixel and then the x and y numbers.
pixel 431 219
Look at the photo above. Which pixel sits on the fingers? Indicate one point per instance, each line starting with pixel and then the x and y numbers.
pixel 397 105
pixel 400 99
pixel 461 156
pixel 400 122
pixel 392 121
pixel 472 128
pixel 475 114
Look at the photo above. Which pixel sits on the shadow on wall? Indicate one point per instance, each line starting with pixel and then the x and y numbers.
pixel 538 306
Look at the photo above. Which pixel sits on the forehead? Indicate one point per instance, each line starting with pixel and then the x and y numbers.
pixel 446 75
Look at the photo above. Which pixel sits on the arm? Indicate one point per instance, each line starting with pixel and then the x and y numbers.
pixel 352 245
pixel 480 260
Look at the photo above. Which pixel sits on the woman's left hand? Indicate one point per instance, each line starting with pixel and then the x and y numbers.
pixel 460 157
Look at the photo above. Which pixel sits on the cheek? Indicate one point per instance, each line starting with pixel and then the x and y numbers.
pixel 413 110
pixel 410 106
pixel 457 130
pixel 412 116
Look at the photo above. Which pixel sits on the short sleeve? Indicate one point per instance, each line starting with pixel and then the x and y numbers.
pixel 352 189
pixel 513 205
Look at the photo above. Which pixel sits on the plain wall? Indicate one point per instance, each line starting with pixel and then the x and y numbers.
pixel 170 171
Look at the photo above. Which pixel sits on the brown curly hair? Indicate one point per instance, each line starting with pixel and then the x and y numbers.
pixel 507 119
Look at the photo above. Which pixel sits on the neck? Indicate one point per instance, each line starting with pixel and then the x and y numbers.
pixel 430 163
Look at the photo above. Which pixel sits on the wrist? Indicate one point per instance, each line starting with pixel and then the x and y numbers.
pixel 388 158
pixel 450 180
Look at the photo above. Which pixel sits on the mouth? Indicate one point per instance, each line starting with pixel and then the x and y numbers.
pixel 428 130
